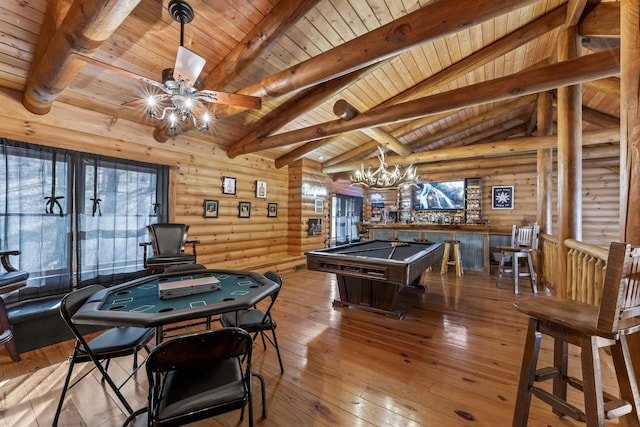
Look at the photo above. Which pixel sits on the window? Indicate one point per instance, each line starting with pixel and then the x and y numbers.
pixel 52 201
pixel 346 213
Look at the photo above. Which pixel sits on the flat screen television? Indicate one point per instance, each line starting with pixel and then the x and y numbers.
pixel 439 195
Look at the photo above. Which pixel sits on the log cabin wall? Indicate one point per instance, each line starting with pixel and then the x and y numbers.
pixel 306 173
pixel 229 241
pixel 226 241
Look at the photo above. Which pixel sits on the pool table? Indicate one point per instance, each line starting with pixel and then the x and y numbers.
pixel 370 274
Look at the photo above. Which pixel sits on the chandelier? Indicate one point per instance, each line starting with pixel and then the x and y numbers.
pixel 383 178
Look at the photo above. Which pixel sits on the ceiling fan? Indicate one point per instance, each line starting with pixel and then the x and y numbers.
pixel 179 99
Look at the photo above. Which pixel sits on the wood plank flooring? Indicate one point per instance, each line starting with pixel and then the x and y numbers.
pixel 453 361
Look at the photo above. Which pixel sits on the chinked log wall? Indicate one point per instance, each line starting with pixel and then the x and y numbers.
pixel 258 242
pixel 600 189
pixel 232 242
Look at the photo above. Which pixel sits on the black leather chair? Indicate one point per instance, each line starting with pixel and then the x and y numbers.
pixel 10 280
pixel 198 376
pixel 168 242
pixel 258 321
pixel 114 342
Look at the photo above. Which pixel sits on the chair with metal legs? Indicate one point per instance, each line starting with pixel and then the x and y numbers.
pixel 112 343
pixel 258 321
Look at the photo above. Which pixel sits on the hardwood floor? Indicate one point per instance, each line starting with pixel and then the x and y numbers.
pixel 453 361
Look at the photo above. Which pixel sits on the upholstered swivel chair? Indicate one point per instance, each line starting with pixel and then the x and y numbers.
pixel 10 280
pixel 168 242
pixel 258 321
pixel 524 241
pixel 591 328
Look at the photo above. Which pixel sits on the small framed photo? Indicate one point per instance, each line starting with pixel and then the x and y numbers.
pixel 502 197
pixel 272 210
pixel 210 209
pixel 318 206
pixel 228 185
pixel 315 227
pixel 244 210
pixel 261 189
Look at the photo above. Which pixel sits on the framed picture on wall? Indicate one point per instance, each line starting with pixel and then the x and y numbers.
pixel 228 185
pixel 315 226
pixel 244 209
pixel 272 210
pixel 210 209
pixel 502 197
pixel 261 189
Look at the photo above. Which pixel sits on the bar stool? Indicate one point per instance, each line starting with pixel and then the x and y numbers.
pixel 457 258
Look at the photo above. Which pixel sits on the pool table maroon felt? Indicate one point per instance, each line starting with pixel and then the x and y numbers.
pixel 370 274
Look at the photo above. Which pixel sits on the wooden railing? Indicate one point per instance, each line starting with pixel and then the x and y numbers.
pixel 585 271
pixel 586 265
pixel 548 261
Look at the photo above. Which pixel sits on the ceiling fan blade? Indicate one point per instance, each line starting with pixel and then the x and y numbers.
pixel 234 99
pixel 188 65
pixel 156 84
pixel 135 103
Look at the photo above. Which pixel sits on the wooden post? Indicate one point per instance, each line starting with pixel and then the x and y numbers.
pixel 630 140
pixel 569 155
pixel 630 122
pixel 545 162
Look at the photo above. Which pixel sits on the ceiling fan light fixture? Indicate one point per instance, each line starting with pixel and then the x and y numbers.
pixel 178 99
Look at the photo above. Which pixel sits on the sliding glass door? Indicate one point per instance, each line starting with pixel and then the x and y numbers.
pixel 77 218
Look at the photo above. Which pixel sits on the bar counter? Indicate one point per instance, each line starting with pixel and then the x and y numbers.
pixel 475 240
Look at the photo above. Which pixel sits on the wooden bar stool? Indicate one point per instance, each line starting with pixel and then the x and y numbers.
pixel 591 328
pixel 457 258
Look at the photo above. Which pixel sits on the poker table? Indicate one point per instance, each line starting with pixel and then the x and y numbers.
pixel 371 274
pixel 138 302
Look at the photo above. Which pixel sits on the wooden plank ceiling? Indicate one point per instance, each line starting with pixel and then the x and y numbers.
pixel 301 57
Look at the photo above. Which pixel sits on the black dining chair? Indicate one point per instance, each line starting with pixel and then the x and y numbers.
pixel 11 279
pixel 198 376
pixel 258 321
pixel 110 344
pixel 168 243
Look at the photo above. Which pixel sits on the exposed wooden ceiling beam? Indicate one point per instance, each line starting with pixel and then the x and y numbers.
pixel 575 9
pixel 511 146
pixel 346 111
pixel 483 166
pixel 433 21
pixel 511 41
pixel 492 114
pixel 573 71
pixel 304 100
pixel 603 20
pixel 86 26
pixel 474 137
